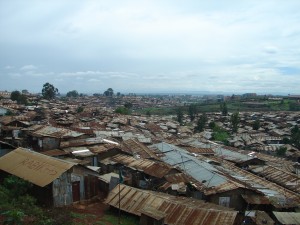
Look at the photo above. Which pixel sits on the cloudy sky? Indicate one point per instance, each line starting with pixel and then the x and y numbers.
pixel 144 46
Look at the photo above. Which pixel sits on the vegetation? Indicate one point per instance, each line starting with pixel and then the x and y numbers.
pixel 192 111
pixel 201 123
pixel 17 206
pixel 256 124
pixel 73 94
pixel 224 109
pixel 235 120
pixel 19 97
pixel 80 109
pixel 109 92
pixel 49 91
pixel 219 134
pixel 295 136
pixel 123 110
pixel 281 151
pixel 179 113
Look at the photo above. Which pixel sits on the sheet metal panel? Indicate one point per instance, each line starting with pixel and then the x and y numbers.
pixel 33 166
pixel 178 210
pixel 287 217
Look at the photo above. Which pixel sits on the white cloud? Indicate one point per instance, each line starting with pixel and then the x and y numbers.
pixel 28 67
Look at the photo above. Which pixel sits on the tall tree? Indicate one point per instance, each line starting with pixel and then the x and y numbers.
pixel 201 123
pixel 223 108
pixel 295 136
pixel 49 91
pixel 179 113
pixel 73 94
pixel 192 111
pixel 235 120
pixel 109 92
pixel 256 124
pixel 17 96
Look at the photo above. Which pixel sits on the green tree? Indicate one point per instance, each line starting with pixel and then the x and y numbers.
pixel 223 108
pixel 128 105
pixel 179 113
pixel 235 120
pixel 192 111
pixel 122 110
pixel 256 124
pixel 109 92
pixel 212 125
pixel 219 134
pixel 281 151
pixel 295 136
pixel 17 96
pixel 80 109
pixel 73 94
pixel 294 106
pixel 201 123
pixel 49 91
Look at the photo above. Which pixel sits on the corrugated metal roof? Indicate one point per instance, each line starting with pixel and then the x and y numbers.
pixel 33 166
pixel 289 180
pixel 178 210
pixel 256 199
pixel 49 131
pixel 155 169
pixel 287 217
pixel 279 196
pixel 82 142
pixel 199 170
pixel 135 147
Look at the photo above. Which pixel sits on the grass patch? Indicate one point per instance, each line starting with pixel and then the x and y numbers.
pixel 81 216
pixel 112 218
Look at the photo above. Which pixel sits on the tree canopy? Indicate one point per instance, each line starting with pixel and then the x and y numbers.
pixel 235 120
pixel 17 96
pixel 73 94
pixel 49 91
pixel 109 92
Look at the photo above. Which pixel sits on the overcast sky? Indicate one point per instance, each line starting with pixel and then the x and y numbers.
pixel 142 46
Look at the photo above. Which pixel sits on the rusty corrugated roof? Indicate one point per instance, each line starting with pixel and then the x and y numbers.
pixel 49 131
pixel 256 199
pixel 35 167
pixel 82 142
pixel 155 169
pixel 178 210
pixel 289 180
pixel 135 147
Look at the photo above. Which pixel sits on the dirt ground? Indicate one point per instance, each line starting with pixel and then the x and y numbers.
pixel 89 213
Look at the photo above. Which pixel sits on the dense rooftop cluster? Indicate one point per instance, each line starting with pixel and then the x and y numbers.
pixel 165 164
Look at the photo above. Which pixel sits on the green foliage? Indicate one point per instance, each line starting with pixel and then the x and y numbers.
pixel 281 151
pixel 294 106
pixel 9 113
pixel 13 217
pixel 219 134
pixel 148 113
pixel 295 136
pixel 16 204
pixel 256 124
pixel 192 111
pixel 123 110
pixel 17 96
pixel 109 92
pixel 128 105
pixel 212 125
pixel 224 109
pixel 179 113
pixel 49 91
pixel 73 94
pixel 235 120
pixel 201 123
pixel 80 109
